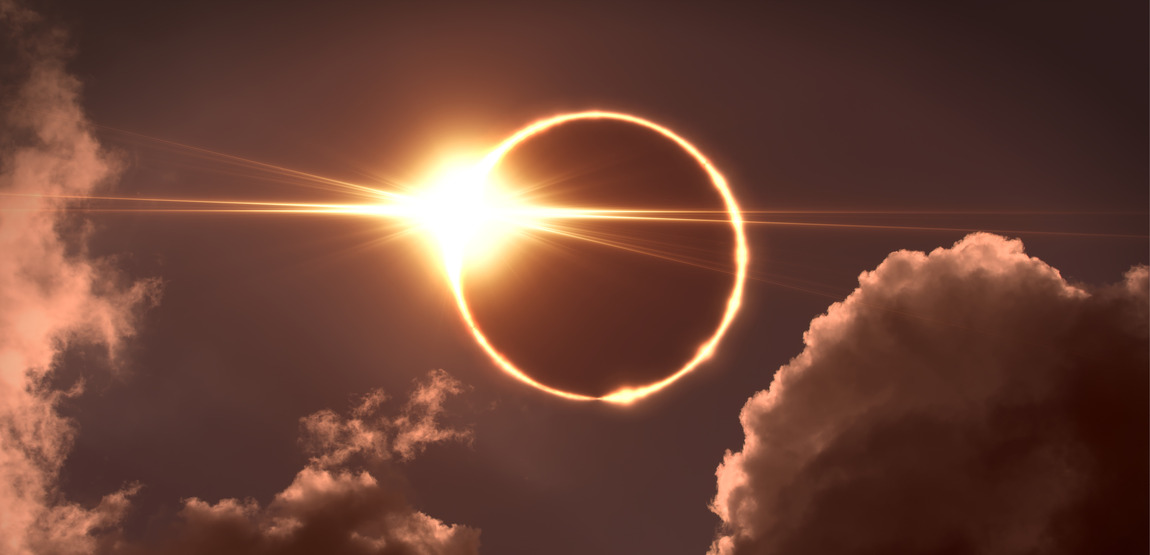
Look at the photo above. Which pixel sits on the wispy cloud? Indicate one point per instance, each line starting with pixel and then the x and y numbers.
pixel 332 440
pixel 53 294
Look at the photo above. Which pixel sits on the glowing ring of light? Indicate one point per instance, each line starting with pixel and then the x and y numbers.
pixel 626 394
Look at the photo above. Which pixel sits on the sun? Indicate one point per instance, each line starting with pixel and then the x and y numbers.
pixel 467 216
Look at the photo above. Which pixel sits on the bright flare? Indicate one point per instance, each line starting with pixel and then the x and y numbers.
pixel 467 216
pixel 529 217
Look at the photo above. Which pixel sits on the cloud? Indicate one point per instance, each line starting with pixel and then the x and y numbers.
pixel 418 425
pixel 334 506
pixel 966 401
pixel 53 295
pixel 332 440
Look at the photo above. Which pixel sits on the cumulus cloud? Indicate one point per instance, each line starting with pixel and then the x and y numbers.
pixel 52 293
pixel 969 400
pixel 334 506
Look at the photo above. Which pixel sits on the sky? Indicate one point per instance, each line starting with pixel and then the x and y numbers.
pixel 942 345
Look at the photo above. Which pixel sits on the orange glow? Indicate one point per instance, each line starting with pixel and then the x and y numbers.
pixel 454 262
pixel 466 215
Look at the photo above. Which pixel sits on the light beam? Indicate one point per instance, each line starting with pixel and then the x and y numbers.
pixel 467 216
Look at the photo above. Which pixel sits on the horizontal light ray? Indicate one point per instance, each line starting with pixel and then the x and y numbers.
pixel 628 247
pixel 952 229
pixel 400 209
pixel 557 213
pixel 395 209
pixel 416 213
pixel 767 278
pixel 239 160
pixel 763 277
pixel 370 211
pixel 596 214
pixel 578 210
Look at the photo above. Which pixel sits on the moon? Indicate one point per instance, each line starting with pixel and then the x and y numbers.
pixel 456 270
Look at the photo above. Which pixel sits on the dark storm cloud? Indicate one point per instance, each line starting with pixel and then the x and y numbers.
pixel 52 294
pixel 333 506
pixel 969 400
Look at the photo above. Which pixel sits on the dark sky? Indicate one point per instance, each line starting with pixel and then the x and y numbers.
pixel 809 106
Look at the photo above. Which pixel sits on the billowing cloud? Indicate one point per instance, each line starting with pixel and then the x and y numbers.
pixel 52 293
pixel 969 400
pixel 334 506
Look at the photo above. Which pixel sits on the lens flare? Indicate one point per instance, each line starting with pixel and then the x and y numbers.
pixel 466 215
pixel 453 254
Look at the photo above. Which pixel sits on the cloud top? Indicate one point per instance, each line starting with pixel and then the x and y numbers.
pixel 969 400
pixel 334 505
